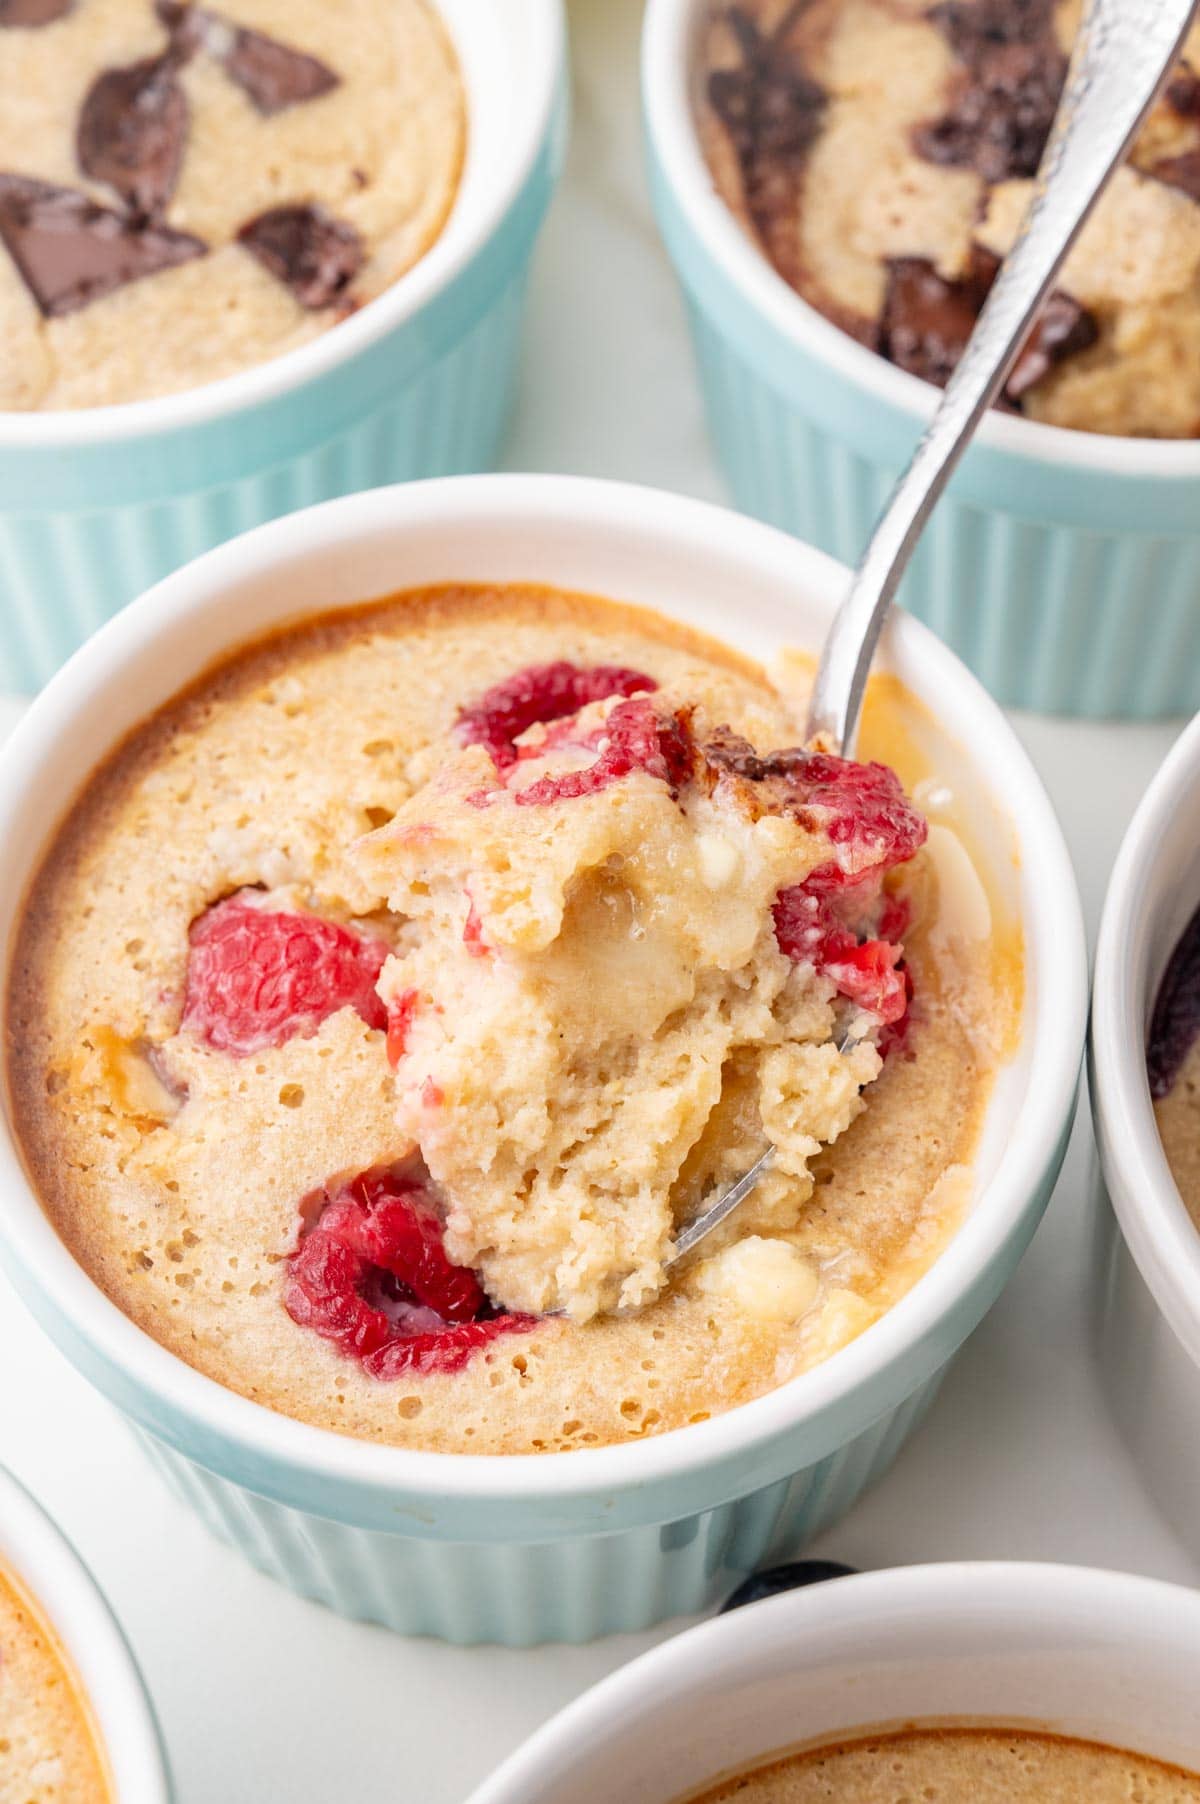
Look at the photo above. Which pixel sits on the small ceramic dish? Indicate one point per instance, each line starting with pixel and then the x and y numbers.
pixel 1095 1655
pixel 44 1564
pixel 1063 567
pixel 97 504
pixel 529 1547
pixel 1147 1269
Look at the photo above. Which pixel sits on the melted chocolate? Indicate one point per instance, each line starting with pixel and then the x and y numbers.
pixel 1001 115
pixel 132 129
pixel 1181 172
pixel 33 12
pixel 1175 1024
pixel 1005 100
pixel 313 254
pixel 927 321
pixel 70 251
pixel 973 28
pixel 1183 93
pixel 1063 327
pixel 772 109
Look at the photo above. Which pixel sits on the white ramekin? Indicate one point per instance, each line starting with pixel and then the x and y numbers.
pixel 1097 1655
pixel 98 503
pixel 1063 567
pixel 1147 1259
pixel 44 1562
pixel 567 1546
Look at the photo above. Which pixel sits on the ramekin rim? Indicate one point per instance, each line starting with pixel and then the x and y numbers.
pixel 432 274
pixel 1160 1234
pixel 43 1558
pixel 1055 927
pixel 989 1587
pixel 674 139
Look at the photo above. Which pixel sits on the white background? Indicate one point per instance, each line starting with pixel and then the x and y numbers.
pixel 263 1696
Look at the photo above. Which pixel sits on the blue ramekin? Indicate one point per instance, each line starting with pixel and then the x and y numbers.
pixel 38 1554
pixel 97 504
pixel 567 1546
pixel 1062 567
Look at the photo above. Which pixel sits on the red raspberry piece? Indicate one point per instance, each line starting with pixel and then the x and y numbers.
pixel 866 971
pixel 399 1020
pixel 864 811
pixel 372 1276
pixel 634 737
pixel 538 693
pixel 257 976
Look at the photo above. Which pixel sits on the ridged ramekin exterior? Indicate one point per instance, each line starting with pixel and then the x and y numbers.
pixel 522 1593
pixel 1069 590
pixel 534 1547
pixel 83 531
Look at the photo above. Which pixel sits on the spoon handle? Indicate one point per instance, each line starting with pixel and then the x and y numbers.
pixel 1123 54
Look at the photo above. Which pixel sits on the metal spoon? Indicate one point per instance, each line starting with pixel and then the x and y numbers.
pixel 1123 54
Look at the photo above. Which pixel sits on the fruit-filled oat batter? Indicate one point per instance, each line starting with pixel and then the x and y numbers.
pixel 390 999
pixel 48 1748
pixel 187 190
pixel 882 153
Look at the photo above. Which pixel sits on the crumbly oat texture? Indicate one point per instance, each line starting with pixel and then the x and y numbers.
pixel 176 1172
pixel 48 1748
pixel 964 1766
pixel 882 152
pixel 225 183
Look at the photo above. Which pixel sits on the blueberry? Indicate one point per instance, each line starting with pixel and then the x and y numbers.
pixel 784 1578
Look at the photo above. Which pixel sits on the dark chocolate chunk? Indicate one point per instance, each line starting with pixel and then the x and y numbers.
pixel 307 249
pixel 1063 327
pixel 132 129
pixel 973 28
pixel 271 73
pixel 1175 1022
pixel 1181 172
pixel 1001 113
pixel 1183 93
pixel 70 251
pixel 927 320
pixel 33 12
pixel 772 110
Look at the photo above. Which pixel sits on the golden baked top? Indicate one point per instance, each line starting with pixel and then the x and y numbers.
pixel 261 1204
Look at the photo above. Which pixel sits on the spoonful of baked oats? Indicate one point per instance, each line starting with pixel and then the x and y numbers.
pixel 637 948
pixel 1125 51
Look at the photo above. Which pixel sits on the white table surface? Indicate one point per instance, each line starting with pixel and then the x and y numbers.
pixel 263 1696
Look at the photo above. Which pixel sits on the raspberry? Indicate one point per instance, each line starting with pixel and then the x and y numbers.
pixel 372 1276
pixel 873 825
pixel 540 692
pixel 862 809
pixel 634 737
pixel 867 972
pixel 399 1020
pixel 257 976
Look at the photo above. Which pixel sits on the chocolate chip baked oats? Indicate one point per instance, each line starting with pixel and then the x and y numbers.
pixel 390 998
pixel 189 190
pixel 882 151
